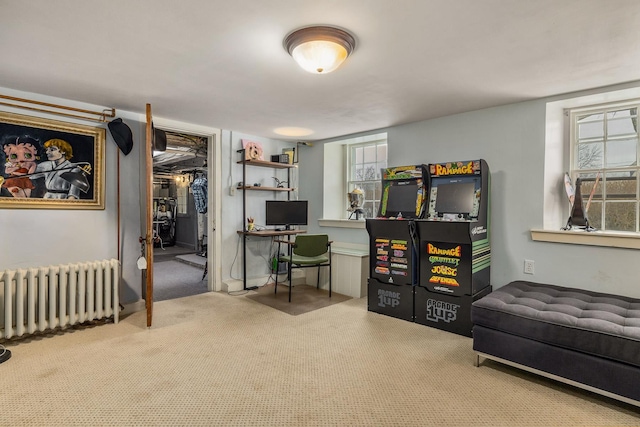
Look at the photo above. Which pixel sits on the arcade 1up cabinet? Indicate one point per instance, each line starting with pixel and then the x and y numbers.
pixel 454 251
pixel 392 242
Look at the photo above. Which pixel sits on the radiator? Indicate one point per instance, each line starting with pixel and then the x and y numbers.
pixel 40 299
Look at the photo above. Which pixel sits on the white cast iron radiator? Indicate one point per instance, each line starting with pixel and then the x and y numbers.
pixel 38 299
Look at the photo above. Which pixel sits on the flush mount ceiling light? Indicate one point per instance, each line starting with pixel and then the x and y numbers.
pixel 293 131
pixel 319 49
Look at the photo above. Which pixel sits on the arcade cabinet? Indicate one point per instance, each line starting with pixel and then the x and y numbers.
pixel 392 242
pixel 454 249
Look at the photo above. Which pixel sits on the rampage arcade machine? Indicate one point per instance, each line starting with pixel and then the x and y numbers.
pixel 454 251
pixel 392 238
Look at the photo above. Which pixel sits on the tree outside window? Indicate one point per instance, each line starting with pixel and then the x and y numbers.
pixel 605 158
pixel 365 163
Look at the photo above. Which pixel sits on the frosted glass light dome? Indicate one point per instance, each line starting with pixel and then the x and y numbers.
pixel 319 50
pixel 319 56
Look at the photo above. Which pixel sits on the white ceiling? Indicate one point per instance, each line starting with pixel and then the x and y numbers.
pixel 222 64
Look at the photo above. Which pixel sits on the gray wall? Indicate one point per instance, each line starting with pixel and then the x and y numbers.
pixel 258 249
pixel 44 237
pixel 187 224
pixel 511 139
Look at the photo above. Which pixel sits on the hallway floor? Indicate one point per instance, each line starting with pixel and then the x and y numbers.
pixel 178 272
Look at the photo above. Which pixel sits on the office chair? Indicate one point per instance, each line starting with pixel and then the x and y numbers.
pixel 308 250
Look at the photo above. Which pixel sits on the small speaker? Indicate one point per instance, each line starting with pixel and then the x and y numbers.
pixel 280 158
pixel 159 140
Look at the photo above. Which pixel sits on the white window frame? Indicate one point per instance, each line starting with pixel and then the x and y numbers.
pixel 182 197
pixel 336 178
pixel 352 163
pixel 557 162
pixel 604 169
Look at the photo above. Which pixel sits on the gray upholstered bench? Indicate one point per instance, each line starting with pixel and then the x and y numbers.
pixel 587 339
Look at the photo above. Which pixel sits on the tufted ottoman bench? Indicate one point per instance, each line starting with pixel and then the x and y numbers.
pixel 587 339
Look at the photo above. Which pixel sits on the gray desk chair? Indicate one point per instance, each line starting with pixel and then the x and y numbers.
pixel 308 250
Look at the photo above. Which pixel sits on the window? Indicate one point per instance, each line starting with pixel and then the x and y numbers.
pixel 349 164
pixel 365 161
pixel 605 158
pixel 183 196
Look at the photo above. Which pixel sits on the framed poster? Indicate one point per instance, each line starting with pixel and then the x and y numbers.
pixel 48 164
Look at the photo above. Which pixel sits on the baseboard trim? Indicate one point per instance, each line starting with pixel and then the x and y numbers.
pixel 133 307
pixel 235 285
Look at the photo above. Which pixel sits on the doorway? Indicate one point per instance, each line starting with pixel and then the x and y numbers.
pixel 181 216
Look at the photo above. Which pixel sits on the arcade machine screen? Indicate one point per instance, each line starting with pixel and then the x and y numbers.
pixel 455 198
pixel 403 192
pixel 402 199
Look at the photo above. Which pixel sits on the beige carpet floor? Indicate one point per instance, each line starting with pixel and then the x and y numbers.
pixel 216 359
pixel 304 298
pixel 177 279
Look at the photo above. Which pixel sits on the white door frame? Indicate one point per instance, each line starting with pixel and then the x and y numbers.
pixel 214 178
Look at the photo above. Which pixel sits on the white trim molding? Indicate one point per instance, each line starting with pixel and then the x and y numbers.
pixel 342 223
pixel 214 160
pixel 592 238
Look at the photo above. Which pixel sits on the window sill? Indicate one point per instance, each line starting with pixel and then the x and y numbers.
pixel 593 238
pixel 342 223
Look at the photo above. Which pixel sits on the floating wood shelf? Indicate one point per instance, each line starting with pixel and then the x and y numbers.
pixel 271 233
pixel 256 188
pixel 266 164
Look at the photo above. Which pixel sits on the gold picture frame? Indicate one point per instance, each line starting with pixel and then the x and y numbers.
pixel 49 164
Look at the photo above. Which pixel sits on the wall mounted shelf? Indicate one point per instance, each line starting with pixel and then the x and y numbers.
pixel 260 188
pixel 266 164
pixel 245 188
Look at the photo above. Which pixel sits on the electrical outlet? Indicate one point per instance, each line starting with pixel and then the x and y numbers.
pixel 529 266
pixel 232 191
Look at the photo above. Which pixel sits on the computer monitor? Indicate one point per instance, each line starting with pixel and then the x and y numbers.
pixel 285 213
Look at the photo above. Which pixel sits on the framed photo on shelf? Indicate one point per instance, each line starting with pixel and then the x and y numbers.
pixel 50 164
